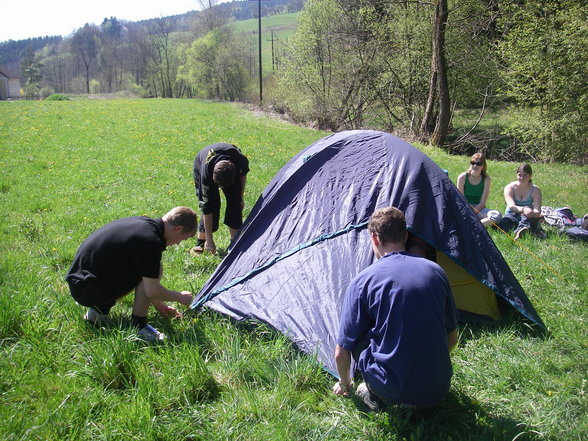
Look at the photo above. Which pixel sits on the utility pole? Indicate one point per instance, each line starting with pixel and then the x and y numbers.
pixel 260 69
pixel 273 53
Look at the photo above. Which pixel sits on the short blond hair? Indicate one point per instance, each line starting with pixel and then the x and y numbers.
pixel 183 217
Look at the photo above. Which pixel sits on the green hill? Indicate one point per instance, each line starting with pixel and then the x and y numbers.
pixel 275 32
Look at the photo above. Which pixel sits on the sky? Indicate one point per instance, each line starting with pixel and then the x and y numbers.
pixel 22 19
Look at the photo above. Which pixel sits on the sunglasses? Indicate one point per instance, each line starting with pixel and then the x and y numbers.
pixel 479 164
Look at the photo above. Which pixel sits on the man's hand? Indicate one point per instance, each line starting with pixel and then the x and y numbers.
pixel 169 311
pixel 186 298
pixel 341 389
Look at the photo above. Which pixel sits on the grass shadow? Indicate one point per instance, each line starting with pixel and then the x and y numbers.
pixel 458 417
pixel 511 321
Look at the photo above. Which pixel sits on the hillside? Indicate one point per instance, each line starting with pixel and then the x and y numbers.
pixel 244 13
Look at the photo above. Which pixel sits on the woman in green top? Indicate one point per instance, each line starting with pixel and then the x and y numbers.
pixel 474 184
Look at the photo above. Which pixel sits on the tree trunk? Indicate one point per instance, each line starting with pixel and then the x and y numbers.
pixel 438 86
pixel 444 116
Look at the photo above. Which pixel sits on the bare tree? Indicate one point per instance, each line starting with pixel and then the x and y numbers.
pixel 161 55
pixel 85 43
pixel 438 85
pixel 210 16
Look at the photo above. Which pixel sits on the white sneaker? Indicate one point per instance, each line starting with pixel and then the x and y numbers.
pixel 93 316
pixel 150 334
pixel 367 397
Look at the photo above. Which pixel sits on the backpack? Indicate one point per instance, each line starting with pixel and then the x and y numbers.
pixel 560 217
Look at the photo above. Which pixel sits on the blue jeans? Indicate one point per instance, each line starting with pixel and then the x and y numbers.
pixel 511 221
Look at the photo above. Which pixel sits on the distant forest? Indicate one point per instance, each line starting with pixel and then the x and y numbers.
pixel 506 78
pixel 13 51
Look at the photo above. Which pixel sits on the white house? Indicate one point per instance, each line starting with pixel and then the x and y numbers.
pixel 9 85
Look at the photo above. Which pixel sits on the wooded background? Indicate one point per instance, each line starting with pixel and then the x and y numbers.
pixel 415 68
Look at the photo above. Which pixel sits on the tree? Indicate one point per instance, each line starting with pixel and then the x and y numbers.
pixel 111 53
pixel 544 50
pixel 161 55
pixel 210 16
pixel 332 64
pixel 85 43
pixel 216 66
pixel 438 86
pixel 32 74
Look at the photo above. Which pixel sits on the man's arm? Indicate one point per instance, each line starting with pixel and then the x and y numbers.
pixel 151 292
pixel 210 245
pixel 343 361
pixel 452 340
pixel 155 291
pixel 243 182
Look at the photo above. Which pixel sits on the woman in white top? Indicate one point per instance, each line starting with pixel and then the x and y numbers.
pixel 523 204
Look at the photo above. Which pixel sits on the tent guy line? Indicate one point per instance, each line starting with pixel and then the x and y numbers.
pixel 197 304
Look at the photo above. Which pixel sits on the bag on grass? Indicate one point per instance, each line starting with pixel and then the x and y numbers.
pixel 577 233
pixel 559 217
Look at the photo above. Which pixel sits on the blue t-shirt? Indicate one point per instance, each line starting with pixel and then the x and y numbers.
pixel 402 304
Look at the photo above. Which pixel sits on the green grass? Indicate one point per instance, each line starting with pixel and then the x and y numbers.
pixel 68 167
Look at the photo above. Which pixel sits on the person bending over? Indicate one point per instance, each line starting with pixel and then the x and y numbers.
pixel 125 255
pixel 219 165
pixel 398 323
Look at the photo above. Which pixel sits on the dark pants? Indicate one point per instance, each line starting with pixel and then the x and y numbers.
pixel 362 346
pixel 93 294
pixel 233 212
pixel 511 221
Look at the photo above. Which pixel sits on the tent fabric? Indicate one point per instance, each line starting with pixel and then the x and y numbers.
pixel 306 237
pixel 483 303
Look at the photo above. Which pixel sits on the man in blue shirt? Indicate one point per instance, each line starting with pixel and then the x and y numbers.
pixel 398 322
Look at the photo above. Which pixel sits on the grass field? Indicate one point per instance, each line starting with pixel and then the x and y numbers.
pixel 279 27
pixel 69 167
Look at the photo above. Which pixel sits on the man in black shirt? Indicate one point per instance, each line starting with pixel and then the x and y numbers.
pixel 124 255
pixel 219 165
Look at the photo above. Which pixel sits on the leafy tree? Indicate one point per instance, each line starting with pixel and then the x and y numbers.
pixel 216 66
pixel 32 74
pixel 544 49
pixel 332 65
pixel 111 55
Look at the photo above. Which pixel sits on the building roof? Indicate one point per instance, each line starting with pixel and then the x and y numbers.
pixel 6 73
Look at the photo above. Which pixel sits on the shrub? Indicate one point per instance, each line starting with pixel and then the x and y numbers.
pixel 57 97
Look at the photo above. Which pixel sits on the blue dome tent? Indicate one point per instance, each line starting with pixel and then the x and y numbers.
pixel 306 238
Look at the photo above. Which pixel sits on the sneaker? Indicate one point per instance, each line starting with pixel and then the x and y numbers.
pixel 519 232
pixel 93 316
pixel 368 398
pixel 196 250
pixel 150 334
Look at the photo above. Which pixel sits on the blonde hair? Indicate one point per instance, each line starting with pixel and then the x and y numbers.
pixel 183 217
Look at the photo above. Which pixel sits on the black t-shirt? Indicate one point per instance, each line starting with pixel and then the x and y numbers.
pixel 219 152
pixel 204 167
pixel 120 254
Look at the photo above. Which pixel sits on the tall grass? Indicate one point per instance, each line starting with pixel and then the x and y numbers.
pixel 69 167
